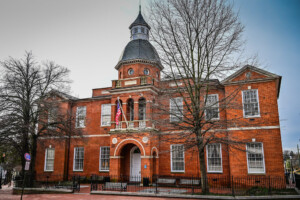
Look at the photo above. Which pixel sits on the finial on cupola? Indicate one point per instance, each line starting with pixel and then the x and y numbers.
pixel 140 7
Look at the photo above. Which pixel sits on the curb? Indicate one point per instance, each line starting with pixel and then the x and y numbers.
pixel 193 196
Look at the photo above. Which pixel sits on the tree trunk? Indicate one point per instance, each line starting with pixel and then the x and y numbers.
pixel 33 158
pixel 204 182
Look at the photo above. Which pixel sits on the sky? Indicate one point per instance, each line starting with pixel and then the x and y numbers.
pixel 88 36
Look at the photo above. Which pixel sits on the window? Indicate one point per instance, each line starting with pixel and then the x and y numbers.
pixel 105 114
pixel 80 117
pixel 250 103
pixel 146 71
pixel 142 29
pixel 142 109
pixel 255 158
pixel 214 158
pixel 49 159
pixel 135 30
pixel 212 107
pixel 130 71
pixel 104 158
pixel 176 109
pixel 78 159
pixel 52 115
pixel 177 158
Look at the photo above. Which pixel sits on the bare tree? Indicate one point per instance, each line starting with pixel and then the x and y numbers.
pixel 199 41
pixel 24 98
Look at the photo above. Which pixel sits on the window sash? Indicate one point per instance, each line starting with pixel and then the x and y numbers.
pixel 80 117
pixel 214 157
pixel 105 114
pixel 255 158
pixel 78 158
pixel 250 103
pixel 104 158
pixel 49 159
pixel 212 107
pixel 176 109
pixel 177 158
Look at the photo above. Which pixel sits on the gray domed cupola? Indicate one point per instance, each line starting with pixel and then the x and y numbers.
pixel 139 29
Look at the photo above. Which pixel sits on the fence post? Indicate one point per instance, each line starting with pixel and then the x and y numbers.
pixel 156 185
pixel 232 186
pixel 192 185
pixel 269 185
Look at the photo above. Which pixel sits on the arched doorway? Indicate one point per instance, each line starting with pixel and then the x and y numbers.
pixel 135 164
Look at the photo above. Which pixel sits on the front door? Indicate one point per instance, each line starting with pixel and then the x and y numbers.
pixel 135 166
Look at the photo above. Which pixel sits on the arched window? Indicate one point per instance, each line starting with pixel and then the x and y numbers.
pixel 130 110
pixel 142 109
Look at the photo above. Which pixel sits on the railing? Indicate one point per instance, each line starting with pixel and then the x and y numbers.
pixel 142 124
pixel 138 124
pixel 219 185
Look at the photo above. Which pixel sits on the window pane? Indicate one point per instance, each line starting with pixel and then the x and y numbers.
pixel 177 157
pixel 212 107
pixel 176 109
pixel 250 101
pixel 80 116
pixel 105 114
pixel 49 165
pixel 255 158
pixel 78 158
pixel 214 158
pixel 104 158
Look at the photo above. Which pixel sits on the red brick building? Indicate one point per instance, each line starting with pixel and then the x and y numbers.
pixel 134 148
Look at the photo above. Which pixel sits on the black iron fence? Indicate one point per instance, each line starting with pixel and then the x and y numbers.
pixel 254 185
pixel 48 181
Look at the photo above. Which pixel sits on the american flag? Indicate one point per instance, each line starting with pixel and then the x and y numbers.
pixel 118 113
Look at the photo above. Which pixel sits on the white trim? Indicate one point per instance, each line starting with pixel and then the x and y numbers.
pixel 149 157
pixel 116 157
pixel 137 90
pixel 45 163
pixel 171 158
pixel 103 170
pixel 101 115
pixel 263 155
pixel 254 116
pixel 221 152
pixel 217 95
pixel 127 140
pixel 78 170
pixel 75 136
pixel 253 128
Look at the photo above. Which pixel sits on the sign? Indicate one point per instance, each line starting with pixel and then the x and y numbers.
pixel 27 165
pixel 145 166
pixel 27 156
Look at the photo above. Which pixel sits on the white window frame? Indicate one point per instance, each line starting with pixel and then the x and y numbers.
pixel 214 106
pixel 171 158
pixel 221 171
pixel 102 114
pixel 77 116
pixel 46 160
pixel 78 170
pixel 175 118
pixel 250 116
pixel 100 160
pixel 263 158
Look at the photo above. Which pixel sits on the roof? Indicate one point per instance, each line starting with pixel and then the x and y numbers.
pixel 269 75
pixel 139 50
pixel 139 21
pixel 62 95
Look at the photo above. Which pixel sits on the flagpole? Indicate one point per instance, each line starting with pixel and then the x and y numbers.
pixel 123 112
